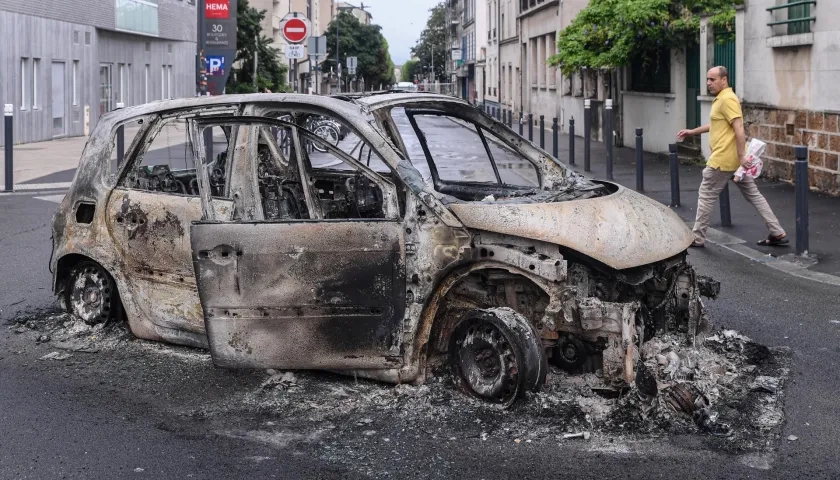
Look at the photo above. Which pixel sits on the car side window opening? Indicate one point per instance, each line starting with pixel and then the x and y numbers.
pixel 168 163
pixel 130 129
pixel 281 193
pixel 414 148
pixel 456 149
pixel 341 190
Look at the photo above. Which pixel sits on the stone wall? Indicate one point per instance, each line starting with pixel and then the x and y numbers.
pixel 783 130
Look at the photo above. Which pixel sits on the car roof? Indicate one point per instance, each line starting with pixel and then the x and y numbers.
pixel 377 101
pixel 162 106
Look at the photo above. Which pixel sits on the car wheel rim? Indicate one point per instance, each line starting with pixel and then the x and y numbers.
pixel 487 363
pixel 90 297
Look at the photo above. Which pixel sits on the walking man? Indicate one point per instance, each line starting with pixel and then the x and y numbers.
pixel 728 143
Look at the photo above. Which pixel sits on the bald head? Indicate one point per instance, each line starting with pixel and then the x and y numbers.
pixel 717 79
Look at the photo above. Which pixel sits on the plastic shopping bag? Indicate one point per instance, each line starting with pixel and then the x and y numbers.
pixel 754 151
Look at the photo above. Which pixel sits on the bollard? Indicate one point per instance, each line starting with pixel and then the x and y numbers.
pixel 556 140
pixel 510 119
pixel 120 140
pixel 8 111
pixel 640 161
pixel 497 113
pixel 801 200
pixel 608 138
pixel 530 127
pixel 725 212
pixel 520 122
pixel 504 116
pixel 572 141
pixel 542 132
pixel 675 175
pixel 587 133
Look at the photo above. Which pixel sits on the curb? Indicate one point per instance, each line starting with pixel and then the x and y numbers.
pixel 739 246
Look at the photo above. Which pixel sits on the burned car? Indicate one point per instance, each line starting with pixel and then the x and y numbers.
pixel 430 235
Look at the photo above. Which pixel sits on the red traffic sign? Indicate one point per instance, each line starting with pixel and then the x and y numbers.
pixel 295 30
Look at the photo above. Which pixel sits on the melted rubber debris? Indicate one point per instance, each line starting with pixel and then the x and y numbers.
pixel 737 387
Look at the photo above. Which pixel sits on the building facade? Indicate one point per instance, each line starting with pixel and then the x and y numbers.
pixel 64 64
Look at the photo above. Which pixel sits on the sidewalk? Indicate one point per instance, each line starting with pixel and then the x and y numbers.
pixel 46 165
pixel 747 227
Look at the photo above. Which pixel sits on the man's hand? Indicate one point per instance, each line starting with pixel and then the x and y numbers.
pixel 745 162
pixel 684 133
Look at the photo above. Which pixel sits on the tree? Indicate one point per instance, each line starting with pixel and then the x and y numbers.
pixel 366 43
pixel 612 33
pixel 409 69
pixel 432 42
pixel 271 73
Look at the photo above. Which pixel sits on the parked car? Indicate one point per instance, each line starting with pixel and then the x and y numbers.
pixel 431 234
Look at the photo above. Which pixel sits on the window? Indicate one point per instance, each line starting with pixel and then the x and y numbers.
pixel 168 163
pixel 169 82
pixel 146 85
pixel 652 72
pixel 129 130
pixel 128 85
pixel 502 28
pixel 75 82
pixel 799 11
pixel 466 163
pixel 36 67
pixel 137 16
pixel 551 50
pixel 122 83
pixel 163 82
pixel 75 37
pixel 24 99
pixel 87 38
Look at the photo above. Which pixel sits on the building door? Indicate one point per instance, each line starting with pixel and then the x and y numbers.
pixel 692 87
pixel 58 99
pixel 106 88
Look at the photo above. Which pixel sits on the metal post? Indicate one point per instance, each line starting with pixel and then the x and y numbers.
pixel 587 134
pixel 521 118
pixel 120 140
pixel 675 175
pixel 572 141
pixel 8 111
pixel 510 118
pixel 504 116
pixel 542 132
pixel 802 246
pixel 530 127
pixel 725 212
pixel 608 138
pixel 640 161
pixel 555 137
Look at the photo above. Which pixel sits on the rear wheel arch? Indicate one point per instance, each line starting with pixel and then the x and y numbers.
pixel 67 269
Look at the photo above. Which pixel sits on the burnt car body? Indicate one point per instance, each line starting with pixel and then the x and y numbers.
pixel 275 249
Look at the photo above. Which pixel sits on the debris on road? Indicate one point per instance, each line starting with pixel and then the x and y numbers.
pixel 793 438
pixel 56 356
pixel 583 435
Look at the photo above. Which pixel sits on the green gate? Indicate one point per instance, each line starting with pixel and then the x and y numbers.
pixel 725 56
pixel 692 59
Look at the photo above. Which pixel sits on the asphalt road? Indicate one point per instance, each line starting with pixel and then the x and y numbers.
pixel 140 413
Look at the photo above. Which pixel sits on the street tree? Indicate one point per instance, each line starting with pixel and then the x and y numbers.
pixel 409 69
pixel 432 42
pixel 612 33
pixel 366 43
pixel 271 73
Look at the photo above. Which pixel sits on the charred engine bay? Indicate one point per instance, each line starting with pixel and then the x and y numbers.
pixel 728 390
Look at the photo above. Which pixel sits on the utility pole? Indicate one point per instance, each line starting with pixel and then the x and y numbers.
pixel 337 56
pixel 256 59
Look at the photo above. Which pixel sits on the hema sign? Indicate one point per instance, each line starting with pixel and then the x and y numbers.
pixel 217 9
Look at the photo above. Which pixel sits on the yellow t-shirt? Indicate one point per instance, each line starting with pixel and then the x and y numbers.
pixel 725 109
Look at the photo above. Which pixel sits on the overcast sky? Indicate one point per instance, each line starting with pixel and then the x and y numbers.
pixel 401 22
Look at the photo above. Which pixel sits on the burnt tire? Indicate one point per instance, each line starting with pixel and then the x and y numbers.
pixel 496 355
pixel 91 294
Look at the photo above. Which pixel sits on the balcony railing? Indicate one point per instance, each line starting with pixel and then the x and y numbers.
pixel 799 16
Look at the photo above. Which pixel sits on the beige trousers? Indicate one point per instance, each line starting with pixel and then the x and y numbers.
pixel 714 181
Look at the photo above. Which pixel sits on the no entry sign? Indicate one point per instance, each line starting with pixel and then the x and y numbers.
pixel 295 30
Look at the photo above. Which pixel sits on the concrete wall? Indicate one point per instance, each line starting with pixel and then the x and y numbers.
pixel 661 115
pixel 802 77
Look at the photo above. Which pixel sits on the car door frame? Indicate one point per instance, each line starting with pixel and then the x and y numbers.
pixel 269 299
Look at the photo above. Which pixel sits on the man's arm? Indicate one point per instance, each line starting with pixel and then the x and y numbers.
pixel 740 141
pixel 695 131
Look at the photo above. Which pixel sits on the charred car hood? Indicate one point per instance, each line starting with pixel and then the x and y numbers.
pixel 622 230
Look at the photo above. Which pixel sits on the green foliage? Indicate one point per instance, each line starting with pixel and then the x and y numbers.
pixel 432 41
pixel 409 69
pixel 366 43
pixel 271 73
pixel 611 33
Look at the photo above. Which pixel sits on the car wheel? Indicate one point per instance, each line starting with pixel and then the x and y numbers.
pixel 494 359
pixel 92 294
